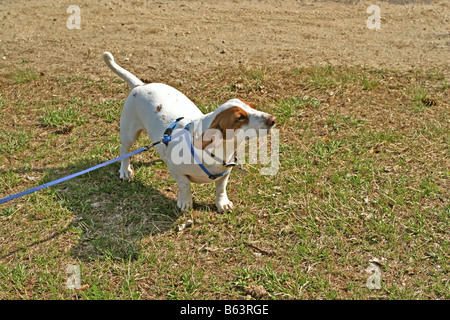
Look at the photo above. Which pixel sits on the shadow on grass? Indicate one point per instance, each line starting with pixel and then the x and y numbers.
pixel 113 216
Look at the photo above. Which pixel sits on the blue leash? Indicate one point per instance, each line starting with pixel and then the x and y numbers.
pixel 49 184
pixel 166 139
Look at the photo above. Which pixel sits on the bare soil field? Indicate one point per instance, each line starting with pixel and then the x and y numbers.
pixel 172 38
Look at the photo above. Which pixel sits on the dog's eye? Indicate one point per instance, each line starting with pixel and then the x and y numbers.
pixel 242 118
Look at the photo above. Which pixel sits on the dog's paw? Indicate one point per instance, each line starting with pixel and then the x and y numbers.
pixel 126 174
pixel 184 204
pixel 224 205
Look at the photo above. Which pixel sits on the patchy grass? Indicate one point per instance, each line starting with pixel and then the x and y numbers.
pixel 363 179
pixel 22 76
pixel 62 116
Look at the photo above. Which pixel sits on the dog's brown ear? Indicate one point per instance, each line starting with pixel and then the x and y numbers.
pixel 250 104
pixel 232 118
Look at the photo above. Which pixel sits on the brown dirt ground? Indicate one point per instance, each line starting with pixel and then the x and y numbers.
pixel 167 39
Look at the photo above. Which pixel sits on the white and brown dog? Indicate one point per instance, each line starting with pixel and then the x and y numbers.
pixel 156 106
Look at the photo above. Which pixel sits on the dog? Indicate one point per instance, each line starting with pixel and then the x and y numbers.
pixel 155 107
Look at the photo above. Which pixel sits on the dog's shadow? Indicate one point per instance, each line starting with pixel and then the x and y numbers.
pixel 112 215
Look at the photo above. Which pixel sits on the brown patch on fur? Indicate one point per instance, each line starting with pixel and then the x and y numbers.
pixel 137 134
pixel 134 94
pixel 158 108
pixel 205 139
pixel 231 118
pixel 250 104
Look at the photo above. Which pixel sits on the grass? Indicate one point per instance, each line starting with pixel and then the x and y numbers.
pixel 294 106
pixel 2 102
pixel 363 175
pixel 65 115
pixel 418 94
pixel 22 76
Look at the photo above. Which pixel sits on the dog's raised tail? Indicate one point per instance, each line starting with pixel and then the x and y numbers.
pixel 129 78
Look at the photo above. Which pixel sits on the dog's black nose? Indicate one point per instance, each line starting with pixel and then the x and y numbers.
pixel 271 121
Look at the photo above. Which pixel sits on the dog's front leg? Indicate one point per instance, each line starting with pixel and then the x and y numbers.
pixel 222 202
pixel 184 200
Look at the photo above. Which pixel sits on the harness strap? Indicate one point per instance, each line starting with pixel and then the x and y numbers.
pixel 209 174
pixel 167 137
pixel 229 164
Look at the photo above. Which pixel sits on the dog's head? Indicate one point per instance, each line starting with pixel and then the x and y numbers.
pixel 235 119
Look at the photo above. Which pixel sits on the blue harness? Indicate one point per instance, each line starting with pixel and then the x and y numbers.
pixel 168 137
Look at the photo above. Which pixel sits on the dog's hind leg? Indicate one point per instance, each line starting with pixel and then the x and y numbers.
pixel 128 136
